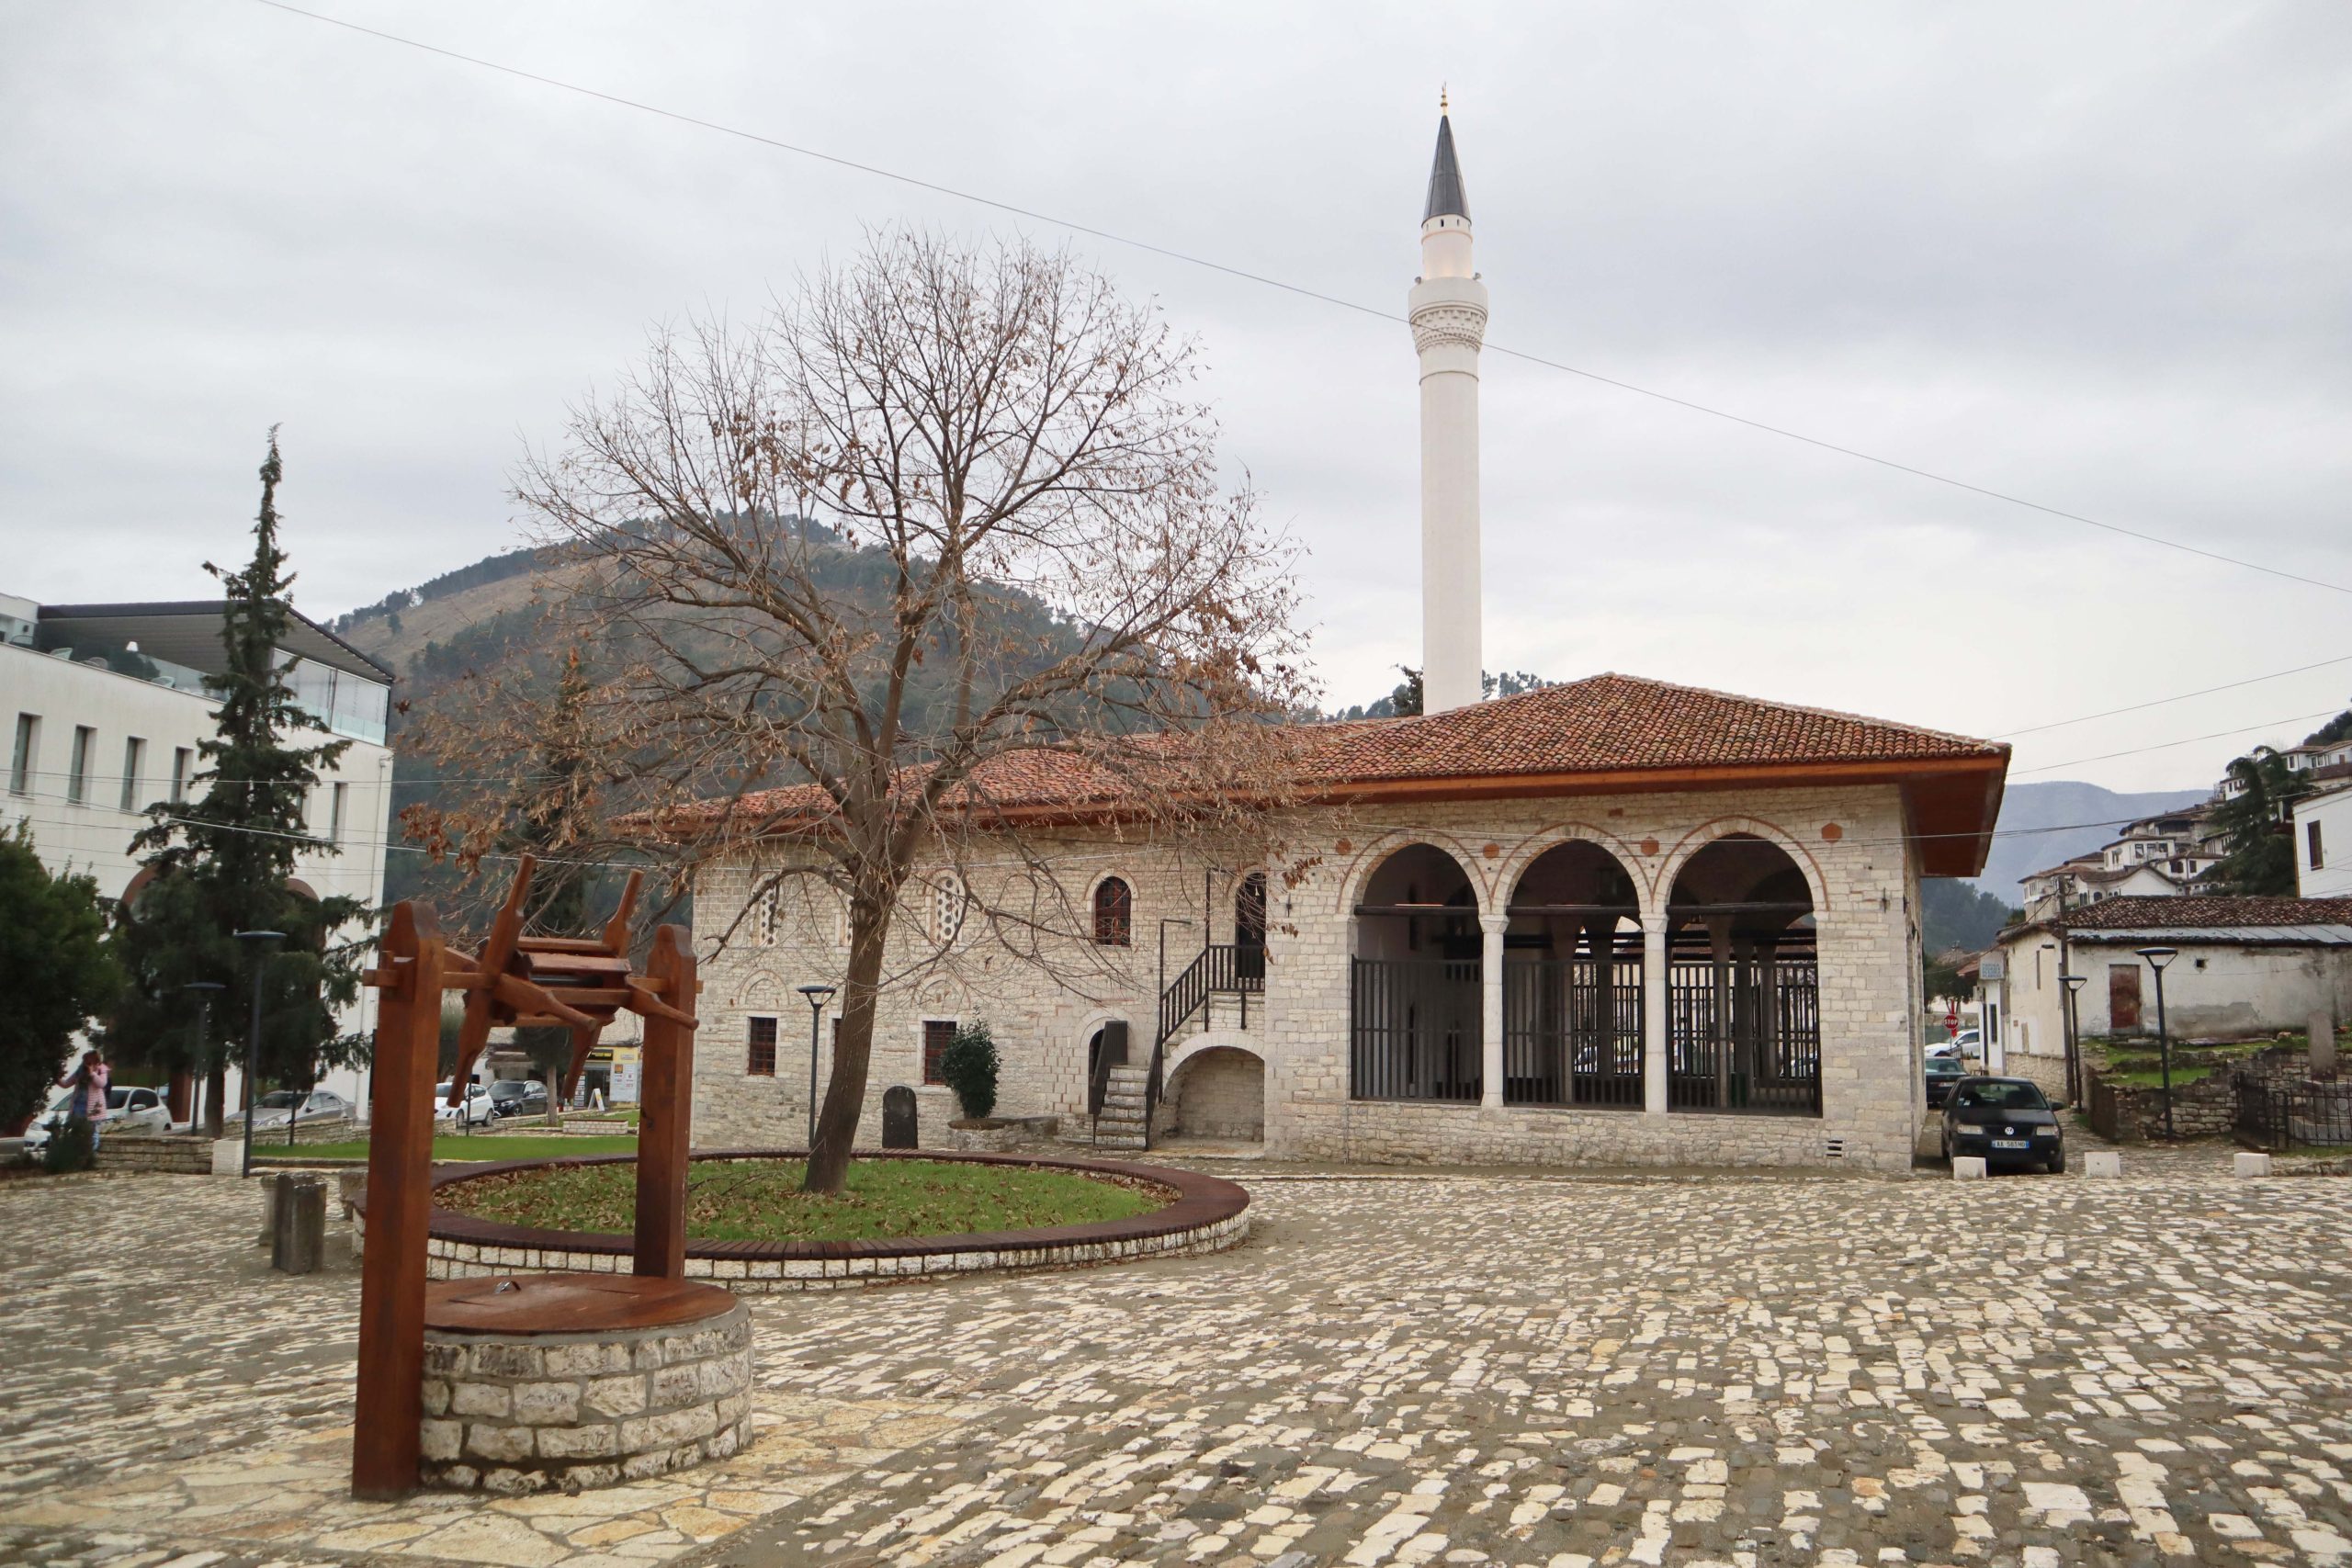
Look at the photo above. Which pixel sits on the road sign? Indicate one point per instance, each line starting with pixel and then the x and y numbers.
pixel 1951 1022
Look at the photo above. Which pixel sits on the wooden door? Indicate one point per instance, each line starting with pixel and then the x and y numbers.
pixel 2122 996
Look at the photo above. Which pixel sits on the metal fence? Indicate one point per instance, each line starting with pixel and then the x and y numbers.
pixel 1732 1047
pixel 2280 1113
pixel 1413 1029
pixel 1569 1036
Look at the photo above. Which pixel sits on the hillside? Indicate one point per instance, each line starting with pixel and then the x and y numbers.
pixel 2023 849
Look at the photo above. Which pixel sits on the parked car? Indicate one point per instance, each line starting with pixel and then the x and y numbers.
pixel 2005 1121
pixel 1943 1073
pixel 277 1107
pixel 519 1096
pixel 478 1111
pixel 130 1108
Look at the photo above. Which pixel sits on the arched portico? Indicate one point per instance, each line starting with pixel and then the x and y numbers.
pixel 1743 1002
pixel 1416 1003
pixel 1216 1089
pixel 1573 982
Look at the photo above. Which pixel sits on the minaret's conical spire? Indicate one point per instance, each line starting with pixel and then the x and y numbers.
pixel 1447 199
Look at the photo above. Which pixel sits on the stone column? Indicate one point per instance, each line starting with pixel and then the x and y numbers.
pixel 1654 1014
pixel 1490 1010
pixel 1719 944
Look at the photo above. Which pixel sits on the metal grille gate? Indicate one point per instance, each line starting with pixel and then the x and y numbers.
pixel 1413 1029
pixel 1721 1054
pixel 1569 1037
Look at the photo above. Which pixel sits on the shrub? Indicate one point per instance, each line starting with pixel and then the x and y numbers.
pixel 69 1148
pixel 968 1067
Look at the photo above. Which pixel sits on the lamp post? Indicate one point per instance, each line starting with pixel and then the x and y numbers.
pixel 2074 984
pixel 818 997
pixel 2158 957
pixel 203 990
pixel 259 947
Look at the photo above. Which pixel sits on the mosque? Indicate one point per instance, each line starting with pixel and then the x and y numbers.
pixel 1616 921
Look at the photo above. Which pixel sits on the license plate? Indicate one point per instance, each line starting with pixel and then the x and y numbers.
pixel 2012 1142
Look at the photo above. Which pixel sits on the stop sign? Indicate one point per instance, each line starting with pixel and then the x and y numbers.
pixel 1951 1022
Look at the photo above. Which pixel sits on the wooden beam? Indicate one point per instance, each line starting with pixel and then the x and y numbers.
pixel 665 1129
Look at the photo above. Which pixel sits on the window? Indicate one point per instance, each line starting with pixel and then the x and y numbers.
pixel 20 761
pixel 768 916
pixel 134 758
pixel 947 905
pixel 77 777
pixel 337 804
pixel 2311 838
pixel 760 1055
pixel 181 757
pixel 937 1033
pixel 1114 912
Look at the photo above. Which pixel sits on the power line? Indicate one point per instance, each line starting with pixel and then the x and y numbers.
pixel 2186 740
pixel 1303 291
pixel 2160 702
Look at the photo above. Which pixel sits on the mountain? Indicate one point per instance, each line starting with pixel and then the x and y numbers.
pixel 2037 827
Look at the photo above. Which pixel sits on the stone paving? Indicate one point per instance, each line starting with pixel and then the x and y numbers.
pixel 1677 1368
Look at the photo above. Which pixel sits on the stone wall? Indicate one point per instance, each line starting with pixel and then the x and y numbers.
pixel 525 1413
pixel 175 1154
pixel 1848 843
pixel 1219 1093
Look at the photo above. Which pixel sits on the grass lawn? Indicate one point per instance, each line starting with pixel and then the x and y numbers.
pixel 505 1145
pixel 762 1201
pixel 2139 1065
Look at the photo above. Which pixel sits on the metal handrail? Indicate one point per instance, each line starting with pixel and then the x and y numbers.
pixel 1226 968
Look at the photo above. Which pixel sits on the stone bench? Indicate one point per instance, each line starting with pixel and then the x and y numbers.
pixel 542 1381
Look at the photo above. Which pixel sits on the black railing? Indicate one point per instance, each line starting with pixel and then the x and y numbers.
pixel 1569 1037
pixel 1109 1051
pixel 2279 1113
pixel 1222 968
pixel 1413 1029
pixel 1731 1047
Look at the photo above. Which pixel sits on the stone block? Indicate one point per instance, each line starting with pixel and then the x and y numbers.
pixel 2247 1163
pixel 507 1482
pixel 676 1385
pixel 2103 1163
pixel 482 1399
pixel 1967 1167
pixel 587 1360
pixel 436 1396
pixel 508 1360
pixel 487 1439
pixel 579 1442
pixel 440 1439
pixel 547 1403
pixel 616 1397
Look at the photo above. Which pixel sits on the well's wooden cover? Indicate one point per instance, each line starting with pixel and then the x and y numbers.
pixel 569 1303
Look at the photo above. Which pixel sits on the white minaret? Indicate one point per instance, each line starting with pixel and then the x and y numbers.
pixel 1448 308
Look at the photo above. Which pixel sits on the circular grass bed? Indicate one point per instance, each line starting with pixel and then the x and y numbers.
pixel 759 1200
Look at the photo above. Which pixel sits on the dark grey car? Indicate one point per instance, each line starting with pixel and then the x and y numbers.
pixel 2003 1121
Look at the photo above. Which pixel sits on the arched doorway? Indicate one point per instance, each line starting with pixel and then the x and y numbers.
pixel 1414 996
pixel 1219 1093
pixel 1572 983
pixel 1744 1014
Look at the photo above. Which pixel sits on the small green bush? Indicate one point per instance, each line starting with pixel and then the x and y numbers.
pixel 69 1148
pixel 968 1067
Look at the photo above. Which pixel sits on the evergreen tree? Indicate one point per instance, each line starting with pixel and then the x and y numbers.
pixel 55 972
pixel 222 862
pixel 2261 858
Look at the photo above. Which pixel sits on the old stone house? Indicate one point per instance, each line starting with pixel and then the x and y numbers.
pixel 1615 919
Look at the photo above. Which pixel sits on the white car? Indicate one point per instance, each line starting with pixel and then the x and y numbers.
pixel 130 1108
pixel 478 1111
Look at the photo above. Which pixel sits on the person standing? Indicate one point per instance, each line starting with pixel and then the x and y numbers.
pixel 89 1083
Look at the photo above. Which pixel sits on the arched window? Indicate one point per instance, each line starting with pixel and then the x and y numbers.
pixel 1114 912
pixel 948 904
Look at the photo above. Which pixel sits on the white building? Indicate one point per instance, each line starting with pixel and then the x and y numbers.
pixel 1610 919
pixel 2323 843
pixel 2156 857
pixel 105 707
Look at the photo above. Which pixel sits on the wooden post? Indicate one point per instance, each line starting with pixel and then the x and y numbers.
pixel 399 1201
pixel 665 1126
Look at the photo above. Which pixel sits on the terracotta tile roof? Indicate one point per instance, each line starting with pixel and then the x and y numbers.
pixel 1617 722
pixel 2149 912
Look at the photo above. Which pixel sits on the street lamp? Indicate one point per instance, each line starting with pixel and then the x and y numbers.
pixel 2158 958
pixel 260 942
pixel 2074 984
pixel 818 997
pixel 203 990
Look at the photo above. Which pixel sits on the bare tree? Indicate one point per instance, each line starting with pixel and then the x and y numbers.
pixel 943 534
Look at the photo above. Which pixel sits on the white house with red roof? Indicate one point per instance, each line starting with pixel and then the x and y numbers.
pixel 1617 920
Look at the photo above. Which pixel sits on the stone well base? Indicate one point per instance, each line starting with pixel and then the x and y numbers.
pixel 516 1412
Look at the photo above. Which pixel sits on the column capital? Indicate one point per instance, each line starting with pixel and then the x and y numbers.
pixel 1494 925
pixel 1656 923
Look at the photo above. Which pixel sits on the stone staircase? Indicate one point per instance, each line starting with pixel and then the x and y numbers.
pixel 1119 1125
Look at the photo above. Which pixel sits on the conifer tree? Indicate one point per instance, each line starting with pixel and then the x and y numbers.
pixel 223 862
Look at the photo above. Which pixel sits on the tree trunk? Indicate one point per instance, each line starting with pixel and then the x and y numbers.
pixel 216 1090
pixel 845 1090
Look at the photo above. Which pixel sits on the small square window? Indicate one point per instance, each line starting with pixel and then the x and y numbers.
pixel 938 1033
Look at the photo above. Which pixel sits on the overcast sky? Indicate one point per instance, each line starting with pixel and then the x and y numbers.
pixel 2096 255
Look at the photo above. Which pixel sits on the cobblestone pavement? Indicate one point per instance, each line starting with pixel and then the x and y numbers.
pixel 1644 1369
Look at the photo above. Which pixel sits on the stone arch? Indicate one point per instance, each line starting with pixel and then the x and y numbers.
pixel 1515 861
pixel 1416 949
pixel 1378 851
pixel 1744 1031
pixel 1216 1087
pixel 1110 910
pixel 1688 847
